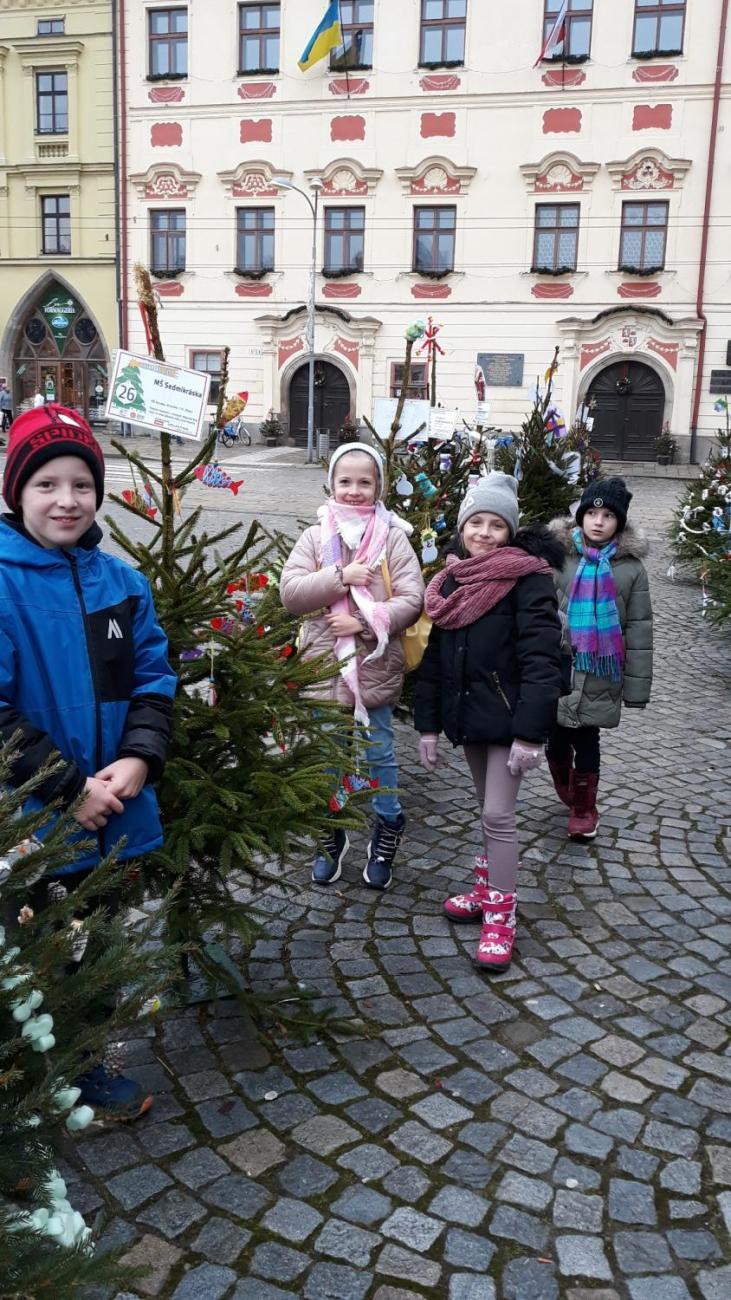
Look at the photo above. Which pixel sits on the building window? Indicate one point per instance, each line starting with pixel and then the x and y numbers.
pixel 255 240
pixel 434 230
pixel 51 26
pixel 168 41
pixel 356 22
pixel 56 215
pixel 575 48
pixel 442 32
pixel 659 27
pixel 52 103
pixel 344 235
pixel 644 236
pixel 209 362
pixel 167 241
pixel 259 38
pixel 556 237
pixel 418 383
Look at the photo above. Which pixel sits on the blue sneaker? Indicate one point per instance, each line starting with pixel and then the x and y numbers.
pixel 386 838
pixel 112 1096
pixel 328 863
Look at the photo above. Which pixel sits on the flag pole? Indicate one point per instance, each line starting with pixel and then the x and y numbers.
pixel 342 38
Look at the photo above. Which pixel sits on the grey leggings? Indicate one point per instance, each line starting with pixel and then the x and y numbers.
pixel 497 794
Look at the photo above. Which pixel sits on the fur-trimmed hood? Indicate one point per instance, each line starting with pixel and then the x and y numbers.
pixel 631 542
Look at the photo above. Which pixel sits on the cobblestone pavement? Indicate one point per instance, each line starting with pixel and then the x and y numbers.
pixel 563 1130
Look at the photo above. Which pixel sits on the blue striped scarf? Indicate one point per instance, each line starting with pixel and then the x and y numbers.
pixel 596 632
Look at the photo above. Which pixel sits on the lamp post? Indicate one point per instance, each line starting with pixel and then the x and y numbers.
pixel 315 186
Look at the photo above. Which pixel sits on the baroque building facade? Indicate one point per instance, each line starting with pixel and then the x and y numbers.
pixel 576 202
pixel 58 305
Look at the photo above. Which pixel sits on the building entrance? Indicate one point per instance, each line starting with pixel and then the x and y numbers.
pixel 59 354
pixel 629 411
pixel 332 401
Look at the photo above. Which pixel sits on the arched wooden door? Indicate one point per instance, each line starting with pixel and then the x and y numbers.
pixel 628 416
pixel 332 400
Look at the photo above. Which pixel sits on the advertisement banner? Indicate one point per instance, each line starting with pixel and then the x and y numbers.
pixel 156 395
pixel 59 310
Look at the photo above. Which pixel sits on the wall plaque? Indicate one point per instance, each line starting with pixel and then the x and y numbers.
pixel 502 369
pixel 721 381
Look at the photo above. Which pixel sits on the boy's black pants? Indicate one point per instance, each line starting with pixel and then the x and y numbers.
pixel 584 741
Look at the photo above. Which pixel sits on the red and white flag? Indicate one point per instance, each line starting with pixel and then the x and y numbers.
pixel 556 36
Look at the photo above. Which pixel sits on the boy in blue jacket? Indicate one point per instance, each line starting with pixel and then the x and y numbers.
pixel 83 664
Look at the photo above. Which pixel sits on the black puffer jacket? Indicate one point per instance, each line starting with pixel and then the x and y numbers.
pixel 499 678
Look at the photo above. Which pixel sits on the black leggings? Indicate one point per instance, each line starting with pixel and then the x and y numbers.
pixel 584 741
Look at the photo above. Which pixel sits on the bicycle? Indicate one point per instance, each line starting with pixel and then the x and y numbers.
pixel 233 432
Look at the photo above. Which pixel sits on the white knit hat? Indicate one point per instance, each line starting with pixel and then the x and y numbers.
pixel 496 494
pixel 364 447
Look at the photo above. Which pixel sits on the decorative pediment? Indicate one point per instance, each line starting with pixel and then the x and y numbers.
pixel 559 173
pixel 648 169
pixel 435 176
pixel 346 178
pixel 165 181
pixel 253 180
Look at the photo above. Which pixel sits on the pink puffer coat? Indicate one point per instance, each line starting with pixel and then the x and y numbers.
pixel 306 588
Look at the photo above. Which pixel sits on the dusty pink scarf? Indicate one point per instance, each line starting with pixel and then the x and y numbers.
pixel 482 581
pixel 340 523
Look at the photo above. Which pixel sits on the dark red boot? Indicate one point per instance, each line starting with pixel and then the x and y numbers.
pixel 584 817
pixel 562 774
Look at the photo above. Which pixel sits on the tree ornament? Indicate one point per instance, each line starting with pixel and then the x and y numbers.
pixel 404 487
pixel 425 486
pixel 429 552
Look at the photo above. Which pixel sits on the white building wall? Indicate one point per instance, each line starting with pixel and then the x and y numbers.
pixel 494 116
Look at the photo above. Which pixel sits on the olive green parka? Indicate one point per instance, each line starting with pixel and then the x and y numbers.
pixel 597 701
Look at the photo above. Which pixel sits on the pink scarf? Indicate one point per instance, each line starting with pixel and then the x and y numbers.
pixel 364 529
pixel 482 581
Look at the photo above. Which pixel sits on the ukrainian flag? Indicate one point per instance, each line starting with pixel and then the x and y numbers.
pixel 324 39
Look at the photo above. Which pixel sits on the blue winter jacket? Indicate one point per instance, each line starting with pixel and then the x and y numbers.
pixel 83 671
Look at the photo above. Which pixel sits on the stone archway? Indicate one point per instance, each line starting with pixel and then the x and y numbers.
pixel 333 398
pixel 53 344
pixel 628 400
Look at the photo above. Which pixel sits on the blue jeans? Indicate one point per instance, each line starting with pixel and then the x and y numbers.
pixel 381 761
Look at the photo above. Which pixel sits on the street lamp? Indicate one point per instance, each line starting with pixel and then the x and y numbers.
pixel 315 186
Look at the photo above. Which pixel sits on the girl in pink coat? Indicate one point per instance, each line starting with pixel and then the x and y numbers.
pixel 335 574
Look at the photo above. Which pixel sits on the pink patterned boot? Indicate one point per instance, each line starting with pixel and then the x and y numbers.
pixel 495 949
pixel 468 907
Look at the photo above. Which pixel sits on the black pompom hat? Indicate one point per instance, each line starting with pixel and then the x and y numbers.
pixel 612 493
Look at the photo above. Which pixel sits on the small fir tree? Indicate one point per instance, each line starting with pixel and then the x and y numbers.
pixel 54 1021
pixel 248 776
pixel 700 533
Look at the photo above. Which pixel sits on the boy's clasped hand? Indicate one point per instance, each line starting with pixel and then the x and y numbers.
pixel 121 780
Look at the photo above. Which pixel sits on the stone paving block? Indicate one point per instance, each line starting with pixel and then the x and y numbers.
pixel 642 1252
pixel 237 1195
pixel 658 1288
pixel 199 1167
pixel 412 1229
pixel 516 1225
pixel 221 1241
pixel 530 1156
pixel 440 1112
pixel 528 1279
pixel 468 1250
pixel 682 1176
pixel 137 1185
pixel 695 1244
pixel 164 1139
pixel 617 1051
pixel 668 1137
pixel 373 1114
pixel 583 1257
pixel 362 1205
pixel 283 1113
pixel 419 1142
pixel 335 1282
pixel 226 1117
pixel 305 1176
pixel 530 1193
pixel 278 1263
pixel 157 1257
pixel 394 1261
pixel 577 1211
pixel 347 1241
pixel 471 1086
pixel 715 1284
pixel 106 1154
pixel 720 1159
pixel 255 1084
pixel 465 1286
pixel 640 1164
pixel 206 1282
pixel 293 1220
pixel 172 1214
pixel 368 1161
pixel 407 1183
pixel 459 1205
pixel 587 1142
pixel 400 1084
pixel 631 1202
pixel 324 1134
pixel 620 1087
pixel 255 1152
pixel 335 1089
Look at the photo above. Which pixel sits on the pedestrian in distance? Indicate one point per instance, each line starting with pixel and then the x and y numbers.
pixel 83 670
pixel 356 580
pixel 6 409
pixel 604 592
pixel 490 680
pixel 38 398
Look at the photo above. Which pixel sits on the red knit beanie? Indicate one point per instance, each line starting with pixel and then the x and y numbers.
pixel 41 434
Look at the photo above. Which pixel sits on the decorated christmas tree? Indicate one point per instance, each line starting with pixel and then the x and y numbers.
pixel 552 463
pixel 59 978
pixel 700 533
pixel 247 780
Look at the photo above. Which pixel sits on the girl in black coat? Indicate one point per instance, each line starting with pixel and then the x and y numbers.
pixel 490 680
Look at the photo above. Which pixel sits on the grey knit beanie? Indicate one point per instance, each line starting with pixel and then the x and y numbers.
pixel 366 449
pixel 497 494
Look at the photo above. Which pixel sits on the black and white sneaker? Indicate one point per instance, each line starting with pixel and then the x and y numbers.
pixel 328 862
pixel 382 849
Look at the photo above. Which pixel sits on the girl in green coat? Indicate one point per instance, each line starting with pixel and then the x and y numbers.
pixel 604 592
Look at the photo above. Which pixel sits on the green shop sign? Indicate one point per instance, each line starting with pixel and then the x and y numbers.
pixel 59 310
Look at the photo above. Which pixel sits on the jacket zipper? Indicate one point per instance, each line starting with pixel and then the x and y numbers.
pixel 501 692
pixel 92 665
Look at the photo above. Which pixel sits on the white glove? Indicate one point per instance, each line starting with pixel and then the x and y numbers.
pixel 428 751
pixel 523 757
